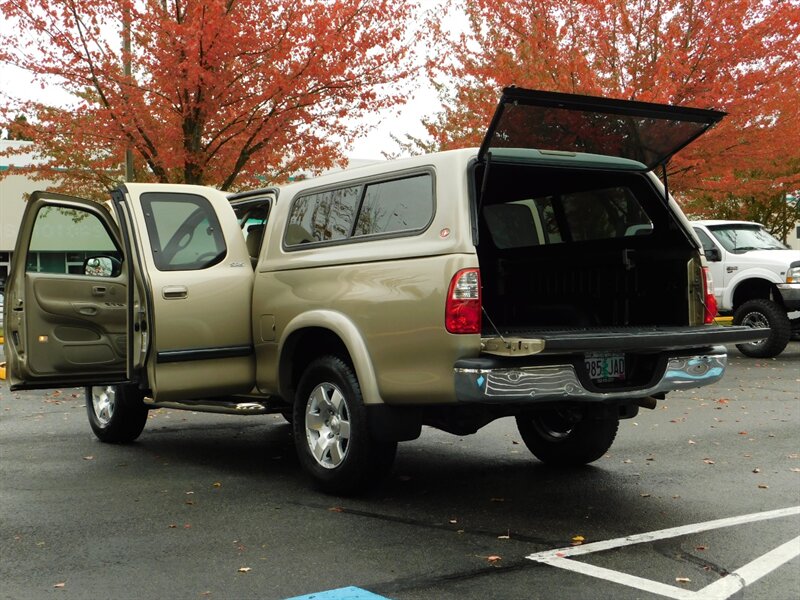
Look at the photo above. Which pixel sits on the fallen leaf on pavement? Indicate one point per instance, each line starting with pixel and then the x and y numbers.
pixel 336 509
pixel 60 585
pixel 708 461
pixel 494 558
pixel 88 458
pixel 683 580
pixel 763 486
pixel 244 569
pixel 578 540
pixel 756 470
pixel 217 484
pixel 644 495
pixel 701 548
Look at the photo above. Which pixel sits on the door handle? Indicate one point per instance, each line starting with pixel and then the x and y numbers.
pixel 98 290
pixel 174 292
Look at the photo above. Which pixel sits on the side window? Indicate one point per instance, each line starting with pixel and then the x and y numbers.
pixel 252 217
pixel 323 217
pixel 184 232
pixel 64 239
pixel 400 205
pixel 706 241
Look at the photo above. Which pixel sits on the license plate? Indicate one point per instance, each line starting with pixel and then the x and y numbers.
pixel 606 367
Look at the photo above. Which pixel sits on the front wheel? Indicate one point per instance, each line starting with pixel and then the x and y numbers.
pixel 116 413
pixel 331 432
pixel 566 437
pixel 764 313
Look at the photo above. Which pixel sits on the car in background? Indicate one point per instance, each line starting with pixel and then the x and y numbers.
pixel 756 280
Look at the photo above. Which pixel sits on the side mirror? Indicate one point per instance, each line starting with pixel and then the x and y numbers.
pixel 102 266
pixel 713 255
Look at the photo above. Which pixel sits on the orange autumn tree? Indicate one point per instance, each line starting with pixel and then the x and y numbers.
pixel 740 56
pixel 222 92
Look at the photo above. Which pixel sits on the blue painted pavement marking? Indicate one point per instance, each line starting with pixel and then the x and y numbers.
pixel 347 593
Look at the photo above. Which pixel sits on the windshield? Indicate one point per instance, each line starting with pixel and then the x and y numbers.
pixel 743 238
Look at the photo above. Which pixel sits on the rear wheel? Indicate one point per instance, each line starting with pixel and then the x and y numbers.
pixel 764 313
pixel 331 431
pixel 116 413
pixel 566 437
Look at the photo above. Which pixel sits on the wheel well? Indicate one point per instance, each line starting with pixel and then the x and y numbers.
pixel 302 347
pixel 751 289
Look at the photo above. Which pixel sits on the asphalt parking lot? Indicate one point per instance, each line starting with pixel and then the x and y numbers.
pixel 697 499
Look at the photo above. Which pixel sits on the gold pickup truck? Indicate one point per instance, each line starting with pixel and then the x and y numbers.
pixel 546 275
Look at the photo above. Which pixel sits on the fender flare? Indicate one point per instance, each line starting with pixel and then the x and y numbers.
pixel 743 277
pixel 340 325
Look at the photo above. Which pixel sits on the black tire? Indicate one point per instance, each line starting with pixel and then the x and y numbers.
pixel 764 313
pixel 566 438
pixel 116 413
pixel 288 415
pixel 331 432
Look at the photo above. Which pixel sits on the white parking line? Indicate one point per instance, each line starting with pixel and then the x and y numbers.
pixel 720 590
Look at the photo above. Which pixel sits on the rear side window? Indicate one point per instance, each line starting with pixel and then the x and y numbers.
pixel 184 232
pixel 401 205
pixel 372 209
pixel 324 217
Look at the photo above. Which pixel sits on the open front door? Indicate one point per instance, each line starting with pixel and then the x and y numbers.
pixel 66 296
pixel 195 272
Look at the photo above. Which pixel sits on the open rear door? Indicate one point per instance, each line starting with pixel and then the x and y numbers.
pixel 66 296
pixel 194 270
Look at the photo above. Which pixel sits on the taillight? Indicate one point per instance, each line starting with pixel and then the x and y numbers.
pixel 463 308
pixel 711 301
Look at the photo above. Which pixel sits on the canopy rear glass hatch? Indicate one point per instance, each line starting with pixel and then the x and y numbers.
pixel 640 131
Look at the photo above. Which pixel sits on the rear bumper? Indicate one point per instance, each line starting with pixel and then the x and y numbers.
pixel 481 383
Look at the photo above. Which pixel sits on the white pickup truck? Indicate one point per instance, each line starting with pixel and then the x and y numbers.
pixel 756 279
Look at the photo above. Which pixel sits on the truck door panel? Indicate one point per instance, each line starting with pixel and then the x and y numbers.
pixel 68 296
pixel 73 325
pixel 199 279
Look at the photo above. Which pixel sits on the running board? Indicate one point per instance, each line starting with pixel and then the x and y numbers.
pixel 217 405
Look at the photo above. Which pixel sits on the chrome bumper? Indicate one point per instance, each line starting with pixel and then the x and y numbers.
pixel 561 382
pixel 790 293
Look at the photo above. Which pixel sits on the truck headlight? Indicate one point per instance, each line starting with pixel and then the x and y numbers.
pixel 793 275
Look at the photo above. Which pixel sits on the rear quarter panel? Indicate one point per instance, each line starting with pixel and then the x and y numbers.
pixel 385 298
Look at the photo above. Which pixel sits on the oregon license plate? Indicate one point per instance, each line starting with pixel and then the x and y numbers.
pixel 606 367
